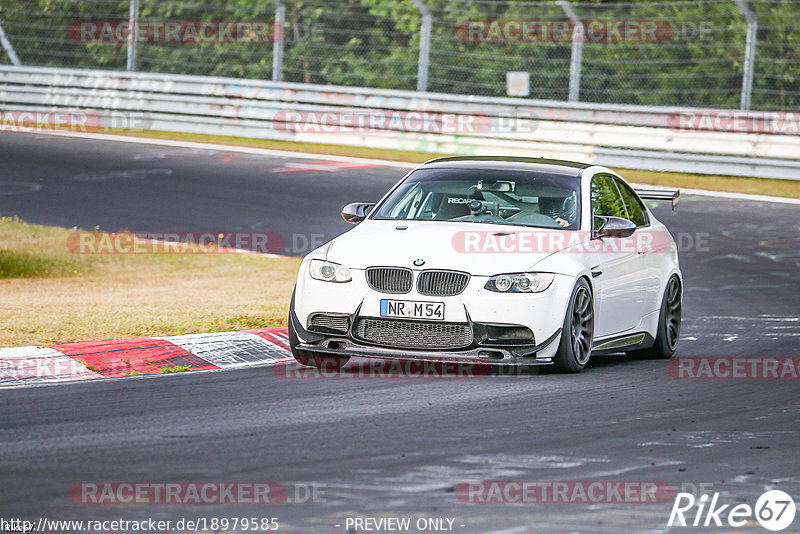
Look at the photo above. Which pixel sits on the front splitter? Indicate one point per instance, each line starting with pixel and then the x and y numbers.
pixel 346 347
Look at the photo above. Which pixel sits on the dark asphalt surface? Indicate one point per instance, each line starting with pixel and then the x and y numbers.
pixel 160 189
pixel 399 447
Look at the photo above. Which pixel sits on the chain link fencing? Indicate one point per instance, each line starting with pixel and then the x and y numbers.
pixel 701 53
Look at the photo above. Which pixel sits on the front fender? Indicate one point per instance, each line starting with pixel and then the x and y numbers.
pixel 573 264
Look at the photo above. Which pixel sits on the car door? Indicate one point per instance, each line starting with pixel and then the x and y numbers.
pixel 616 275
pixel 650 248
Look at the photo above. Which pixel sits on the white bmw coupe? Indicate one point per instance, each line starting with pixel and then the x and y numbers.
pixel 500 260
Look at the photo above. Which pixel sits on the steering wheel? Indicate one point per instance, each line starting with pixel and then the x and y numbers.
pixel 568 210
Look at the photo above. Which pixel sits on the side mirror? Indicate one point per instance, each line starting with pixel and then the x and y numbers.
pixel 356 212
pixel 613 227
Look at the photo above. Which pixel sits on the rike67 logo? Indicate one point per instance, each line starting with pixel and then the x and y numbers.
pixel 774 510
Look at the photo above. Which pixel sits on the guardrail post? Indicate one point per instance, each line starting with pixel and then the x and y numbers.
pixel 424 45
pixel 576 56
pixel 133 20
pixel 749 54
pixel 12 55
pixel 277 44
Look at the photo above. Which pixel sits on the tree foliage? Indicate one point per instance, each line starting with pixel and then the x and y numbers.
pixel 375 43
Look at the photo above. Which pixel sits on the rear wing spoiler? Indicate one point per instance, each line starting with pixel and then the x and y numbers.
pixel 672 195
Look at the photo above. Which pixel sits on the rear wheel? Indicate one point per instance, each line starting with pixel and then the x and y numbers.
pixel 669 325
pixel 578 331
pixel 311 358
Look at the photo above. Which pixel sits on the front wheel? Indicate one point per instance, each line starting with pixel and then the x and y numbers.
pixel 314 359
pixel 669 325
pixel 577 333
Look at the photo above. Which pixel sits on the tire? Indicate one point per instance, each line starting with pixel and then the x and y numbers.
pixel 669 325
pixel 577 332
pixel 313 359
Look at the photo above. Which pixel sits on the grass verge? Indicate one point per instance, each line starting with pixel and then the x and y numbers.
pixel 731 184
pixel 51 295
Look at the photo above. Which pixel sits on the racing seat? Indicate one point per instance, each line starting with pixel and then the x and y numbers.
pixel 452 210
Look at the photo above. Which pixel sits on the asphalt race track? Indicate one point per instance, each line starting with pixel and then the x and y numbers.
pixel 161 189
pixel 400 447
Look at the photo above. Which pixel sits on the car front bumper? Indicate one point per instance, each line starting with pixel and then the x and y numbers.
pixel 477 309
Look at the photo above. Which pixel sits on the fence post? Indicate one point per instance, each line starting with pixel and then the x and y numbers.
pixel 277 45
pixel 576 56
pixel 12 55
pixel 133 20
pixel 749 54
pixel 424 45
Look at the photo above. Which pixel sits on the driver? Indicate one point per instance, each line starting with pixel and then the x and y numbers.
pixel 563 211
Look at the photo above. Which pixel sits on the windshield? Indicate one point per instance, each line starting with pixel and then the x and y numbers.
pixel 485 196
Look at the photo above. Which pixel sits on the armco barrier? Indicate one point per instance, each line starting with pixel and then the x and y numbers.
pixel 613 135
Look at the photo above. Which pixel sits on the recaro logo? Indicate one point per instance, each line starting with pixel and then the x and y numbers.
pixel 458 200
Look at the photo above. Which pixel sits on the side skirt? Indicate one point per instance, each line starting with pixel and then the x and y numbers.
pixel 623 343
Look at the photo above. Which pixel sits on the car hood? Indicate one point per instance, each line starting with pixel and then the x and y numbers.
pixel 457 246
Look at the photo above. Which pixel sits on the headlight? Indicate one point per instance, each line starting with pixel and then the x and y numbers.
pixel 520 282
pixel 329 272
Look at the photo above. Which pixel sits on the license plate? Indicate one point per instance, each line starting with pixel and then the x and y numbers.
pixel 413 309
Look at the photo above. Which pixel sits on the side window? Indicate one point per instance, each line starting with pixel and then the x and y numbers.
pixel 606 201
pixel 636 212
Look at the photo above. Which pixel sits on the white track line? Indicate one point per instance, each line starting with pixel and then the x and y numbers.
pixel 384 163
pixel 231 148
